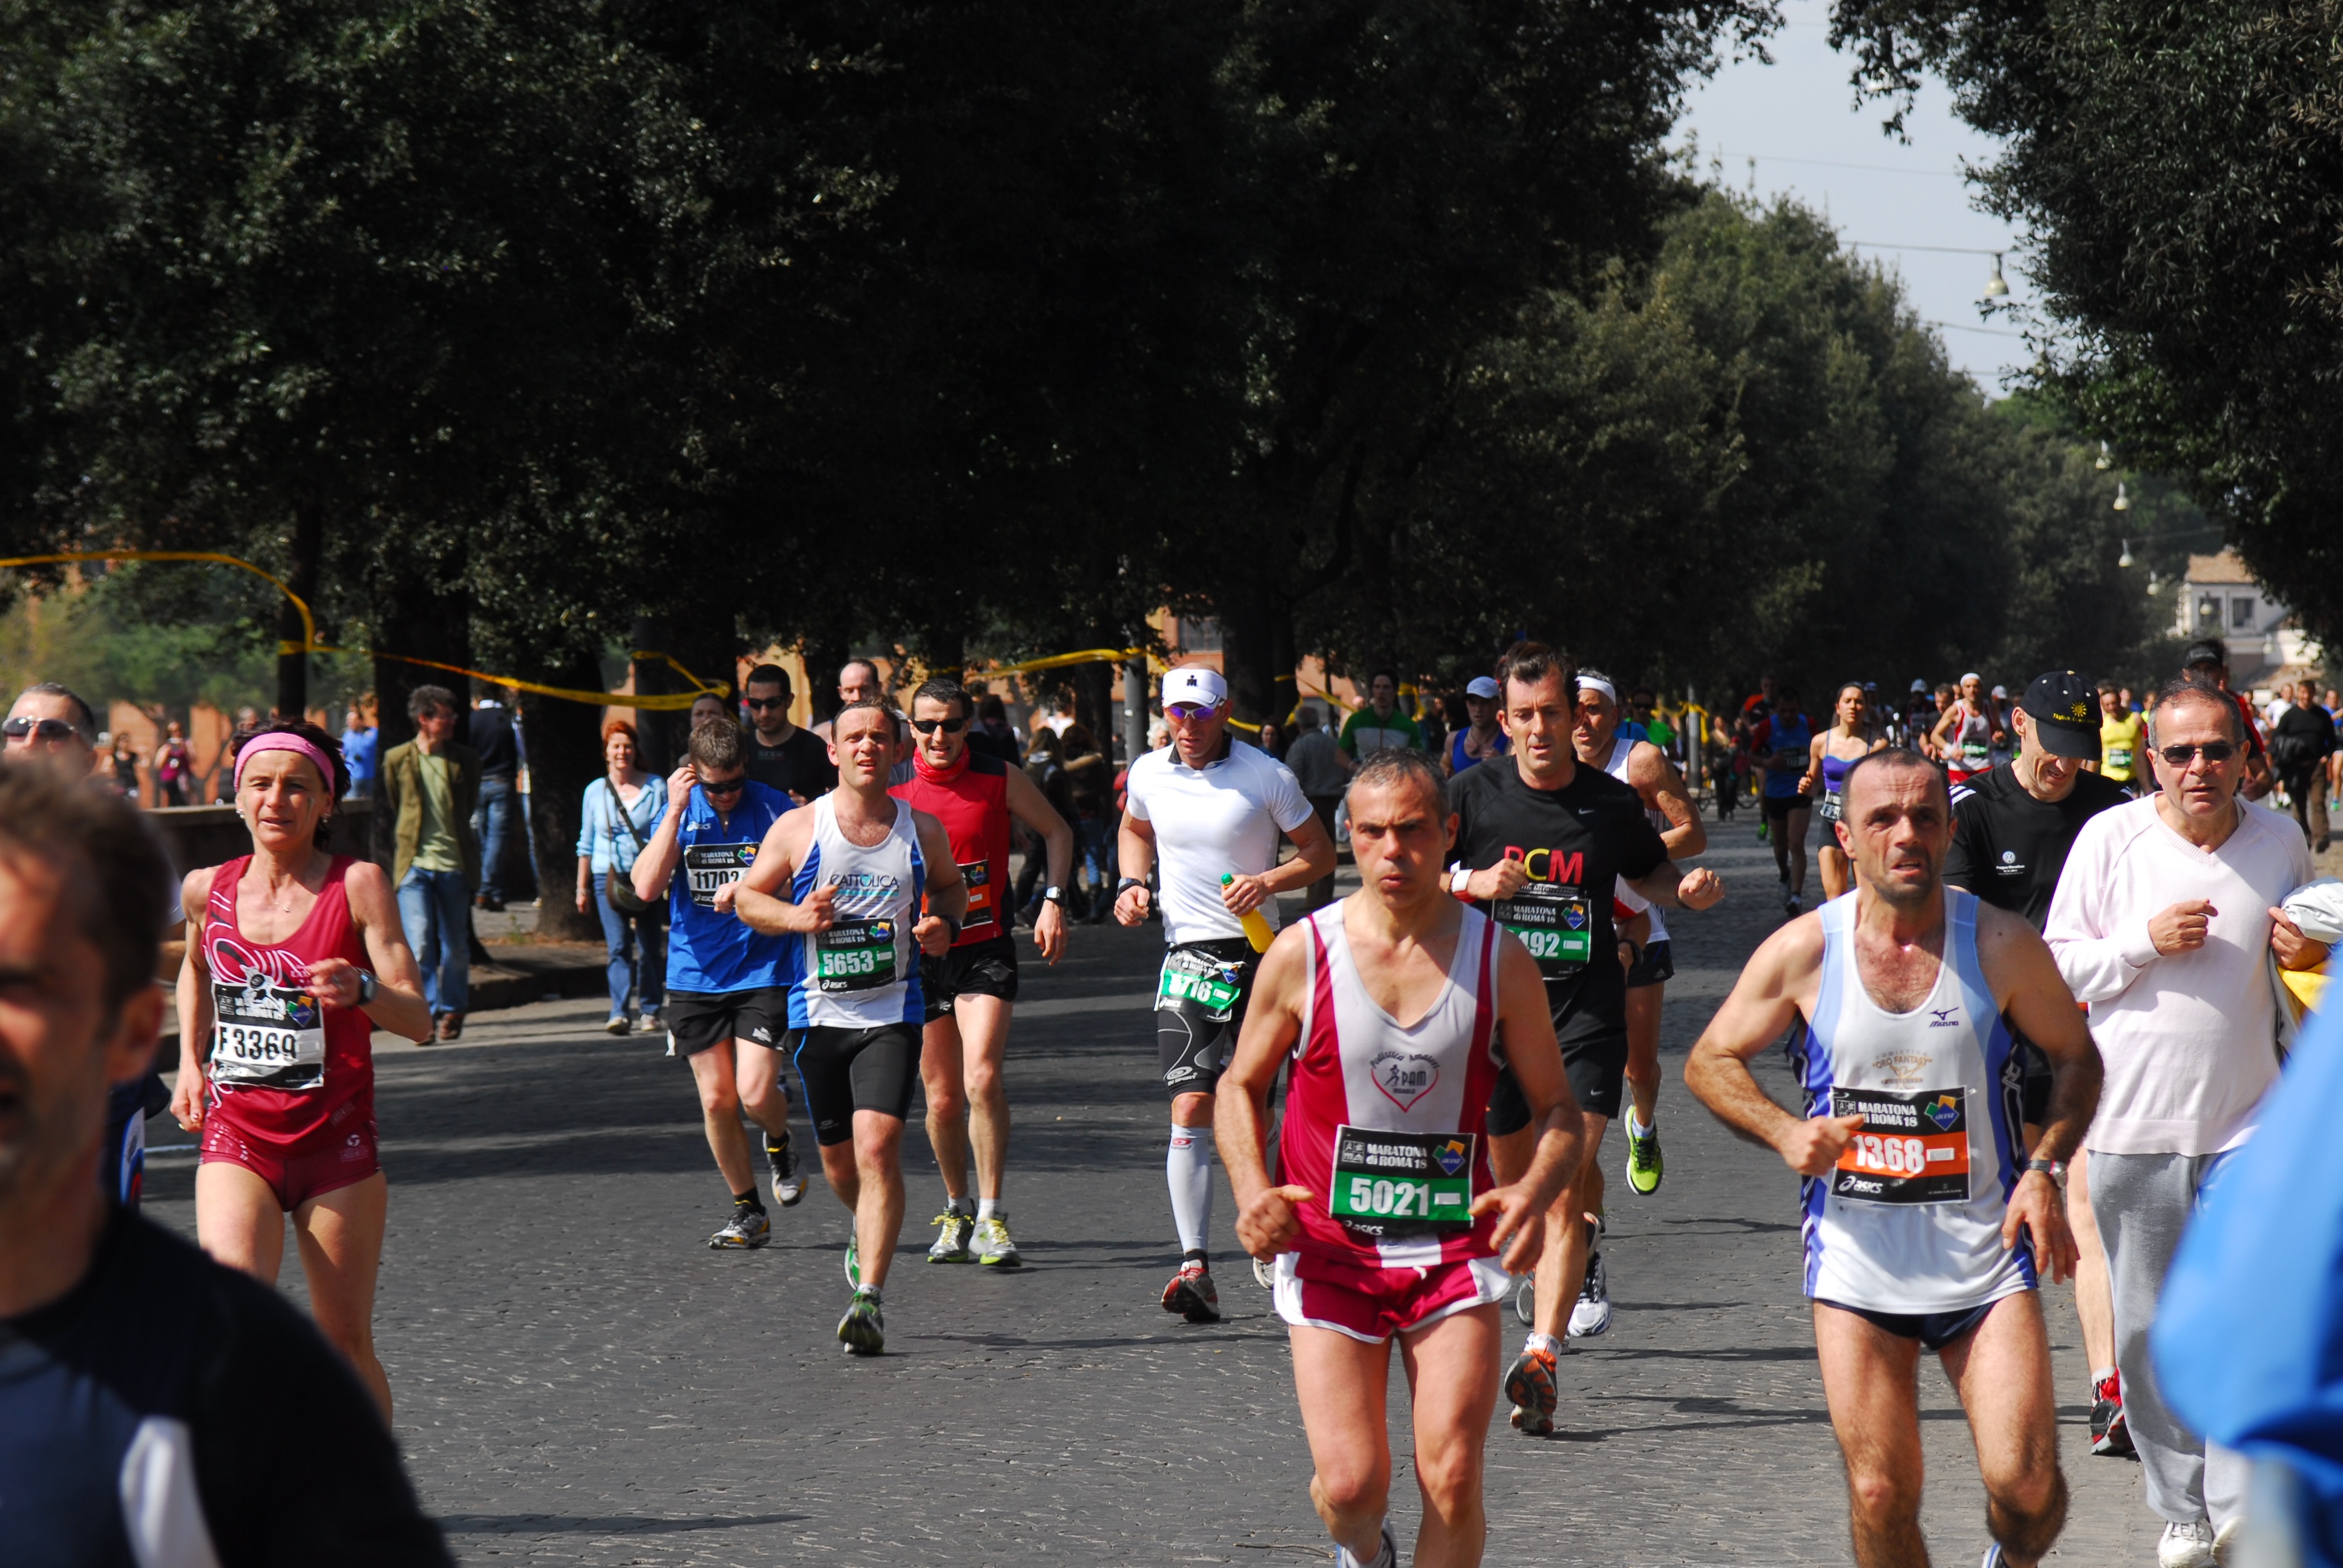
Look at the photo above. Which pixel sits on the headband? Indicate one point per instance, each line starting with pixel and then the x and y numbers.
pixel 281 740
pixel 1596 683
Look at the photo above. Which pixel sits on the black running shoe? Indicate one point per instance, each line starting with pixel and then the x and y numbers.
pixel 789 1181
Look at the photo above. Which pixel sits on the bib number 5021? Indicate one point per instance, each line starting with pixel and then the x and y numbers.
pixel 1387 1200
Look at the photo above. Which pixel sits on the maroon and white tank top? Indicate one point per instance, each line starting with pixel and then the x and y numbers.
pixel 1385 1123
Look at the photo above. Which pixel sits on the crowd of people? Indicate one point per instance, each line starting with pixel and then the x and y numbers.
pixel 2033 1019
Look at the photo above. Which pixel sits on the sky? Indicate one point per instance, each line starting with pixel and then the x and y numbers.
pixel 1798 118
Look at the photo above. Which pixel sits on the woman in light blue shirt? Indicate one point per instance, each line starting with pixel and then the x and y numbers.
pixel 612 829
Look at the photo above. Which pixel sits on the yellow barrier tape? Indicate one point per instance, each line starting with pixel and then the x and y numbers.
pixel 1059 660
pixel 309 643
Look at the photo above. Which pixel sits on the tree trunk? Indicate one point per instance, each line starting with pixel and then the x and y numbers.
pixel 1250 638
pixel 565 755
pixel 823 654
pixel 292 632
pixel 1093 687
pixel 660 733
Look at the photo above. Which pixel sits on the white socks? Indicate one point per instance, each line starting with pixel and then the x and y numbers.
pixel 1188 1169
pixel 986 1208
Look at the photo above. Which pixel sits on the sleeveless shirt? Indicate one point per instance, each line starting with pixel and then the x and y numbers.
pixel 1357 1074
pixel 1910 1220
pixel 970 799
pixel 283 1064
pixel 1621 750
pixel 864 972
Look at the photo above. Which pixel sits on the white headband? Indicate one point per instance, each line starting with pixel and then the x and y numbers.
pixel 1596 683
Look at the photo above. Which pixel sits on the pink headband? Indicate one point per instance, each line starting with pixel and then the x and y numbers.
pixel 279 741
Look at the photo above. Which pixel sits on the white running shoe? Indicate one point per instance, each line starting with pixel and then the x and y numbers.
pixel 1265 1273
pixel 1386 1554
pixel 2189 1545
pixel 1590 1314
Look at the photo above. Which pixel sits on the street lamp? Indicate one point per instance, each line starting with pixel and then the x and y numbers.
pixel 2106 460
pixel 1997 287
pixel 2123 501
pixel 2125 559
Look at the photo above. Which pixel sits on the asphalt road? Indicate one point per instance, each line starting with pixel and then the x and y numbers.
pixel 580 1380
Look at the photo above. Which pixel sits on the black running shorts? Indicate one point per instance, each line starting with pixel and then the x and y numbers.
pixel 696 1020
pixel 1195 1036
pixel 1778 808
pixel 1656 965
pixel 1597 1071
pixel 850 1070
pixel 988 968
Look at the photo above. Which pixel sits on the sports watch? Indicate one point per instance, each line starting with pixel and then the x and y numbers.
pixel 1054 896
pixel 366 987
pixel 2054 1168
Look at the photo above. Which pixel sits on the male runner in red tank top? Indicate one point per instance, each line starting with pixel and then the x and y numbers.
pixel 970 989
pixel 1376 1107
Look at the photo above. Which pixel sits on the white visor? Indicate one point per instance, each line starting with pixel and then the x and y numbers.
pixel 1196 685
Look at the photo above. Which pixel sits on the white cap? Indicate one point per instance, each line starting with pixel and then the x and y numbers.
pixel 1919 686
pixel 1195 684
pixel 2001 693
pixel 1482 685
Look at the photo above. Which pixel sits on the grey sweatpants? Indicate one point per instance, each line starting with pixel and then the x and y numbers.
pixel 2141 1202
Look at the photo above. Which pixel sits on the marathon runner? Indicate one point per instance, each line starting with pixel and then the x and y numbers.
pixel 1836 750
pixel 1924 1218
pixel 2012 829
pixel 1968 731
pixel 2122 740
pixel 296 957
pixel 1542 844
pixel 782 757
pixel 1388 1223
pixel 1483 737
pixel 725 1010
pixel 1785 741
pixel 857 865
pixel 969 989
pixel 1644 768
pixel 1213 808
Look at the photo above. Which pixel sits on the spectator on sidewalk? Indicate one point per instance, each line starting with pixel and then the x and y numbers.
pixel 1380 725
pixel 174 765
pixel 431 787
pixel 992 735
pixel 1089 793
pixel 614 826
pixel 123 759
pixel 2301 742
pixel 498 747
pixel 361 749
pixel 2162 923
pixel 1323 770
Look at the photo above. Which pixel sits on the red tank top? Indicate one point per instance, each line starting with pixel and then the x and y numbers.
pixel 285 1068
pixel 1389 1125
pixel 970 799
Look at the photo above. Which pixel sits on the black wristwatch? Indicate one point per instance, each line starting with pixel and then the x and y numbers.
pixel 366 987
pixel 1127 883
pixel 1056 896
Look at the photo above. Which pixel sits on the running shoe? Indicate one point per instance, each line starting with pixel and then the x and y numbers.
pixel 1644 1166
pixel 618 1024
pixel 1792 908
pixel 1525 1301
pixel 1591 1315
pixel 1265 1273
pixel 747 1228
pixel 789 1181
pixel 2110 1433
pixel 2189 1545
pixel 1191 1295
pixel 863 1331
pixel 951 1246
pixel 650 1022
pixel 2225 1540
pixel 993 1248
pixel 1761 830
pixel 853 1256
pixel 1531 1386
pixel 1386 1554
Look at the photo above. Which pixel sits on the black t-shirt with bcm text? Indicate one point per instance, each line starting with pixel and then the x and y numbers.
pixel 169 1410
pixel 798 765
pixel 2008 847
pixel 1575 842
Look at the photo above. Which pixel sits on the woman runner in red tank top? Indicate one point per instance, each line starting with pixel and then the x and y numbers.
pixel 295 956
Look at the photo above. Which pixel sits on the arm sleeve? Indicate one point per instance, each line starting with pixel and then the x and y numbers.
pixel 2099 951
pixel 1289 808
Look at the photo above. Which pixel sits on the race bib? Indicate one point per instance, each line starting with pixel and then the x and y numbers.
pixel 1830 808
pixel 2119 756
pixel 1553 922
pixel 855 955
pixel 1977 752
pixel 1912 1148
pixel 978 878
pixel 1401 1183
pixel 271 1037
pixel 707 867
pixel 1201 981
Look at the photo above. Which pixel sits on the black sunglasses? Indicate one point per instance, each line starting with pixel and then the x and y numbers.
pixel 762 703
pixel 2214 751
pixel 949 725
pixel 724 786
pixel 46 728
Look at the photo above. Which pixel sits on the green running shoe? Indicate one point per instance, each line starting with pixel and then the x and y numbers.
pixel 863 1331
pixel 853 1257
pixel 1644 1166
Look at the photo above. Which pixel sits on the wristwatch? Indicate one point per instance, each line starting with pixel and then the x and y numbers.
pixel 1127 883
pixel 1055 896
pixel 365 987
pixel 2054 1168
pixel 1458 880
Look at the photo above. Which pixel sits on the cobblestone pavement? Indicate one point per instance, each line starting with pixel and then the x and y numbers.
pixel 580 1380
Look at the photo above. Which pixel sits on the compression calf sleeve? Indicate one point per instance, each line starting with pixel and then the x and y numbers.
pixel 1188 1169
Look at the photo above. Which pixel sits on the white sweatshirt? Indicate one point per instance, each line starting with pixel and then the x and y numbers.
pixel 2189 1041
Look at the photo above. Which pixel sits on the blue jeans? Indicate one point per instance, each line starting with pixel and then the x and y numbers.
pixel 432 908
pixel 491 822
pixel 1095 842
pixel 647 978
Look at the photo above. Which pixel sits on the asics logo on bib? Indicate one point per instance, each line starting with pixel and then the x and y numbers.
pixel 1545 866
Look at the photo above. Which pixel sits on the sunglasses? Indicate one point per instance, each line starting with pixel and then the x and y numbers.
pixel 2214 751
pixel 1189 711
pixel 949 725
pixel 724 786
pixel 46 728
pixel 759 704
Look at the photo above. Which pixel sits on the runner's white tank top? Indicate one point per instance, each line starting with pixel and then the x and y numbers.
pixel 1910 1221
pixel 864 972
pixel 1617 767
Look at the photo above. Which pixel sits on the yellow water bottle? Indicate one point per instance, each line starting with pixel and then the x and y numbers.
pixel 1256 928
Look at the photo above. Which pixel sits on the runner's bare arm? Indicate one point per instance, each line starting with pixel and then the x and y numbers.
pixel 1525 1024
pixel 1313 860
pixel 398 1005
pixel 194 994
pixel 757 898
pixel 1655 778
pixel 657 861
pixel 1029 806
pixel 1777 989
pixel 2028 989
pixel 1266 1222
pixel 1665 885
pixel 1134 852
pixel 1811 782
pixel 938 927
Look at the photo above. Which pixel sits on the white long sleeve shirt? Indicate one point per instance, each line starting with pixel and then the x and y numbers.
pixel 2188 1039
